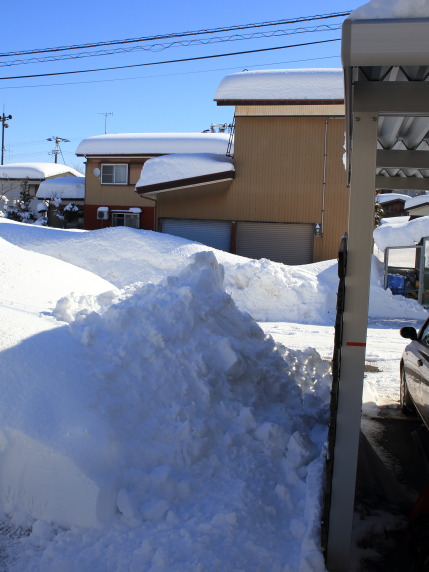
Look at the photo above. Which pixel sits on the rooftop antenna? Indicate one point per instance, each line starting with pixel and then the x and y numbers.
pixel 57 149
pixel 105 119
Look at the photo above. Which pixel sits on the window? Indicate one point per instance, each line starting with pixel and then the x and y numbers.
pixel 424 338
pixel 114 174
pixel 126 219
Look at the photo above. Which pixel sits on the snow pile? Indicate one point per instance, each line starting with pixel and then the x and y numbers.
pixel 404 234
pixel 154 143
pixel 268 290
pixel 173 422
pixel 391 9
pixel 182 166
pixel 148 423
pixel 312 84
pixel 49 280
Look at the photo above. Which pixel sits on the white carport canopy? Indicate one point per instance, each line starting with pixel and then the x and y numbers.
pixel 386 69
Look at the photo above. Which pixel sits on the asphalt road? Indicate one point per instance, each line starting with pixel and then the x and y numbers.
pixel 393 470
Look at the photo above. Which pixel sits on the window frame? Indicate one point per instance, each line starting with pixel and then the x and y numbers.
pixel 114 165
pixel 423 334
pixel 125 215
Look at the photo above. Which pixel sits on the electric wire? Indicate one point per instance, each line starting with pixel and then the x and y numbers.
pixel 180 43
pixel 196 58
pixel 179 34
pixel 164 75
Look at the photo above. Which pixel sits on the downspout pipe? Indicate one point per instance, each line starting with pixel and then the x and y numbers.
pixel 325 155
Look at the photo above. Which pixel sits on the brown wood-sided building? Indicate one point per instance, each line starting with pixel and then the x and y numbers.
pixel 392 204
pixel 288 200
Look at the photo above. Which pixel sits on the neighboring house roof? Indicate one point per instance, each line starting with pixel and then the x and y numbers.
pixel 35 171
pixel 66 187
pixel 171 172
pixel 394 220
pixel 151 144
pixel 416 202
pixel 281 86
pixel 391 197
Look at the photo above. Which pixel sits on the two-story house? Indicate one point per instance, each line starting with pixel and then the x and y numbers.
pixel 287 198
pixel 113 166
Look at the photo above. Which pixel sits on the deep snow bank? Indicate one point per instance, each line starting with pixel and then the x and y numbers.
pixel 408 233
pixel 269 291
pixel 197 425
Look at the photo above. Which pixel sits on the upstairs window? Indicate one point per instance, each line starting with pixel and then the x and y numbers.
pixel 114 174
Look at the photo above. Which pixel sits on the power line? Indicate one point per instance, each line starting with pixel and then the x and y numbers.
pixel 180 43
pixel 179 34
pixel 165 75
pixel 172 61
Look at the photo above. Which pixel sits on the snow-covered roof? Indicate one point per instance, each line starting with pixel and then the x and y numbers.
pixel 183 167
pixel 67 187
pixel 390 197
pixel 414 202
pixel 39 171
pixel 384 9
pixel 153 144
pixel 283 85
pixel 405 234
pixel 393 220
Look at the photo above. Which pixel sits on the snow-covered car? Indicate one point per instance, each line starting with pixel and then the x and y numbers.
pixel 414 367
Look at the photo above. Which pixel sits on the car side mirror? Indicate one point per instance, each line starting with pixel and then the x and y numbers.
pixel 408 332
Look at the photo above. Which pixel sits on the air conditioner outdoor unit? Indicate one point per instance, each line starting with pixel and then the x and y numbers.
pixel 102 213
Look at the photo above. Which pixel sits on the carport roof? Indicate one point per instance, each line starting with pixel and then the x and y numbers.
pixel 386 71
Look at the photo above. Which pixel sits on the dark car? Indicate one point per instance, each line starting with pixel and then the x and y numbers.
pixel 415 372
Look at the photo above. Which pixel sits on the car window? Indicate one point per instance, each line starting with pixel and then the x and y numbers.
pixel 424 337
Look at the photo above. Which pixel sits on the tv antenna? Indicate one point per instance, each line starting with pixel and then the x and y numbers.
pixel 106 115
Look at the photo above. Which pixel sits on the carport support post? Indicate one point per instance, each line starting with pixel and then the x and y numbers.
pixel 361 225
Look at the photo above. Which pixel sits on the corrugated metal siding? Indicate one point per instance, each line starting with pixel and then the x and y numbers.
pixel 287 243
pixel 279 169
pixel 215 233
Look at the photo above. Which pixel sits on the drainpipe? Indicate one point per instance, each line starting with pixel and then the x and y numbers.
pixel 325 154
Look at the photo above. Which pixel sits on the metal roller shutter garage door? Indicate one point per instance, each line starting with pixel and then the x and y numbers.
pixel 287 243
pixel 215 233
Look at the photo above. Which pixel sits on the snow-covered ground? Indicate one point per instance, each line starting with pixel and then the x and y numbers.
pixel 164 404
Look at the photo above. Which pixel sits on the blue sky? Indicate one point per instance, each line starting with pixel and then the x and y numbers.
pixel 163 98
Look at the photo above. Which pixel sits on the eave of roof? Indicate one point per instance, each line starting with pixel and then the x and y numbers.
pixel 32 181
pixel 120 156
pixel 186 183
pixel 415 207
pixel 308 102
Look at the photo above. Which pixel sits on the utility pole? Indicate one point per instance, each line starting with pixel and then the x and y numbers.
pixel 57 149
pixel 4 125
pixel 105 120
